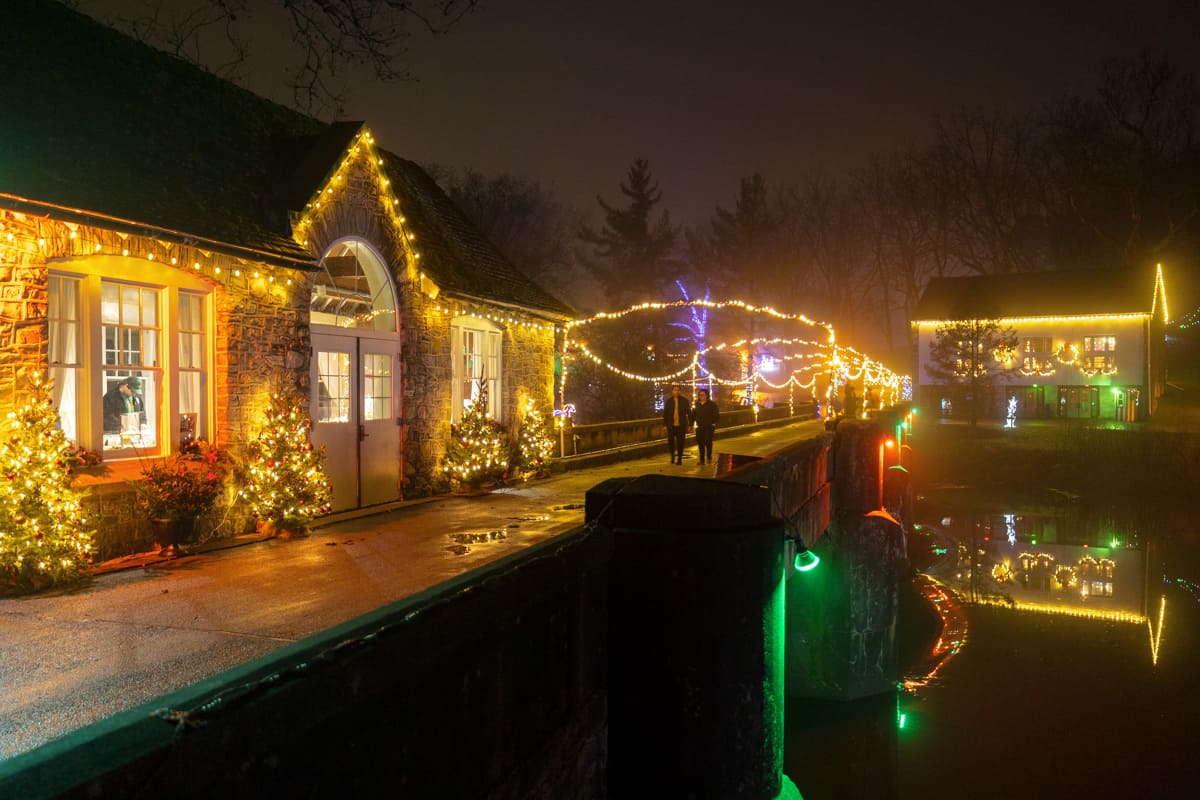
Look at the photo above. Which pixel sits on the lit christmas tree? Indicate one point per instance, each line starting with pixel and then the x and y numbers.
pixel 535 442
pixel 477 453
pixel 285 481
pixel 45 535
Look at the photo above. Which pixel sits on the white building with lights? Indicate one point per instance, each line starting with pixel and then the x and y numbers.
pixel 1090 343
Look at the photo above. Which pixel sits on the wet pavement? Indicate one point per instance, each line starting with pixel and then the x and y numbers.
pixel 70 658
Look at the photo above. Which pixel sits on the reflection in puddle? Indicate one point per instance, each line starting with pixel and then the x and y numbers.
pixel 463 541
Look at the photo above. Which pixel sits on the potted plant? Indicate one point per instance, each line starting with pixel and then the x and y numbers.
pixel 175 491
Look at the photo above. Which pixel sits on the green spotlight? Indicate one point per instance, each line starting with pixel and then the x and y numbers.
pixel 805 559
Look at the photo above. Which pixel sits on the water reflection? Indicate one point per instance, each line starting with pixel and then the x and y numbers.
pixel 1046 654
pixel 1020 561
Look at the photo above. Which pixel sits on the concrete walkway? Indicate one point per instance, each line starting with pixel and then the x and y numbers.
pixel 130 635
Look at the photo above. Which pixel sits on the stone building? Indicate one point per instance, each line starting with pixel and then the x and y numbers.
pixel 164 227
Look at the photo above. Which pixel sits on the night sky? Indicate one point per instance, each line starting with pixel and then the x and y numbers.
pixel 569 93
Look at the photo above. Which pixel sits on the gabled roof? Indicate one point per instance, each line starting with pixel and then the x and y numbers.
pixel 1063 293
pixel 94 122
pixel 453 251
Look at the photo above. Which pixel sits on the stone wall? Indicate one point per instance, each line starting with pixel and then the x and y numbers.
pixel 260 332
pixel 357 209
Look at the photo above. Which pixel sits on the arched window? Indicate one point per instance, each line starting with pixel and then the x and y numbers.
pixel 476 349
pixel 353 289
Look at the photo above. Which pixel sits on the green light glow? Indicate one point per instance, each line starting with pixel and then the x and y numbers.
pixel 902 720
pixel 806 560
pixel 1115 542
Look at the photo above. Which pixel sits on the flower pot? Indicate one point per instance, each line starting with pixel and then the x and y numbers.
pixel 170 533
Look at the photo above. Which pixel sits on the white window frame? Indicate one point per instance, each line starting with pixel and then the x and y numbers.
pixel 85 366
pixel 484 358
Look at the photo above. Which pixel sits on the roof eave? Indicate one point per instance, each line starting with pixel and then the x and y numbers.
pixel 83 217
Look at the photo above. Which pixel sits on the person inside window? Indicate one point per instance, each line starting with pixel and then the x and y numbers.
pixel 124 398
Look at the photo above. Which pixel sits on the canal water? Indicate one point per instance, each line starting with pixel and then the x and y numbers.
pixel 1050 653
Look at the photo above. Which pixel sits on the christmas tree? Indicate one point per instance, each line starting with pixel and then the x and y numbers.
pixel 535 443
pixel 45 535
pixel 477 453
pixel 285 481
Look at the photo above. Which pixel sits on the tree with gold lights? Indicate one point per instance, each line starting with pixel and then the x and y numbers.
pixel 478 452
pixel 285 481
pixel 45 534
pixel 535 441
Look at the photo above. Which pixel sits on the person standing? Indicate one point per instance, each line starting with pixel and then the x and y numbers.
pixel 122 399
pixel 677 416
pixel 705 415
pixel 850 403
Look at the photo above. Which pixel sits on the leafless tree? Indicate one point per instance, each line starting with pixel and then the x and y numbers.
pixel 327 36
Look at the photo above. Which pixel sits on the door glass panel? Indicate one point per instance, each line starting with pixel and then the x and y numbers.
pixel 333 386
pixel 377 386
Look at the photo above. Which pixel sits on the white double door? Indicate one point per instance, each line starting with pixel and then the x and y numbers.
pixel 356 413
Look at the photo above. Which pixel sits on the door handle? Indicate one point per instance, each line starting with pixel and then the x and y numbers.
pixel 362 432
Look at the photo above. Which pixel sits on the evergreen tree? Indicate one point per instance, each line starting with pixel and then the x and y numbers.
pixel 974 354
pixel 45 535
pixel 535 442
pixel 743 248
pixel 477 453
pixel 284 474
pixel 632 253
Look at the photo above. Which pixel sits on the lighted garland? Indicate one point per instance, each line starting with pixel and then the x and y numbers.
pixel 45 534
pixel 840 362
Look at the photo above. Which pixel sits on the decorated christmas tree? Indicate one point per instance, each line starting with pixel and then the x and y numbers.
pixel 535 443
pixel 477 453
pixel 45 534
pixel 284 475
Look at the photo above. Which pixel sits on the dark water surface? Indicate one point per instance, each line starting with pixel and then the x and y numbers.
pixel 1068 666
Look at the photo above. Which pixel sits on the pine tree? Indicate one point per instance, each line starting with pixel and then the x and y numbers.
pixel 632 253
pixel 535 443
pixel 284 474
pixel 477 453
pixel 45 534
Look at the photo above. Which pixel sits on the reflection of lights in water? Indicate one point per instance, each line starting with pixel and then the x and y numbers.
pixel 1109 615
pixel 954 630
pixel 1156 637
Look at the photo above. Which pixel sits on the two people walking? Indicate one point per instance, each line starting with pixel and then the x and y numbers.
pixel 679 416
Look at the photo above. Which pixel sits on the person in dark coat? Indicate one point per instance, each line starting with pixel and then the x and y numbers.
pixel 122 399
pixel 677 416
pixel 850 403
pixel 704 416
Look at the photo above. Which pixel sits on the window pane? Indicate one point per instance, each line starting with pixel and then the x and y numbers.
pixel 333 386
pixel 63 386
pixel 109 304
pixel 130 409
pixel 377 386
pixel 190 405
pixel 149 308
pixel 130 305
